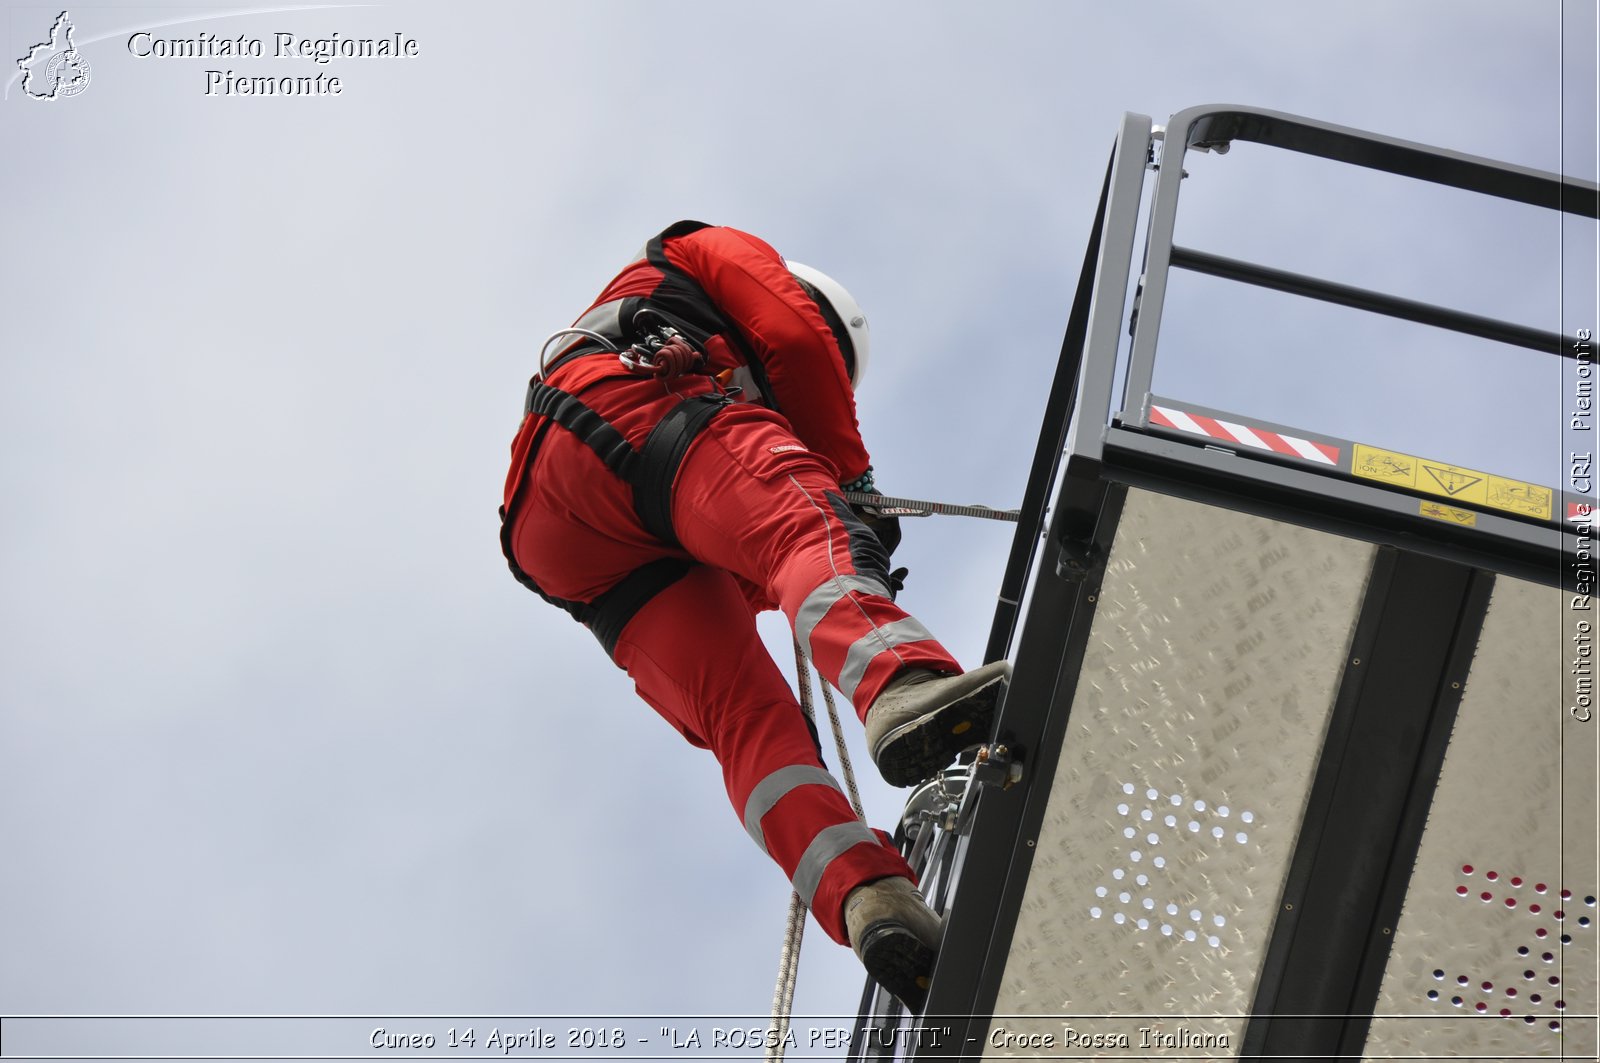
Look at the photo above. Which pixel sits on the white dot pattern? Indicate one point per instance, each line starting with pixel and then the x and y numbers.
pixel 1194 838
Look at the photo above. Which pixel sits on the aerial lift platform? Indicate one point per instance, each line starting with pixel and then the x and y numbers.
pixel 1298 759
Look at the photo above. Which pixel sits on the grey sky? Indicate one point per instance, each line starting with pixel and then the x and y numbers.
pixel 278 733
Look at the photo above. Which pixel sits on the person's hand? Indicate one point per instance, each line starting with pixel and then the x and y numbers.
pixel 887 529
pixel 897 581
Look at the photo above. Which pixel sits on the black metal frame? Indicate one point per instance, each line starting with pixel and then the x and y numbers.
pixel 1085 461
pixel 1363 823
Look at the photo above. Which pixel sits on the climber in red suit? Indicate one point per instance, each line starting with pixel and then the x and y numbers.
pixel 678 469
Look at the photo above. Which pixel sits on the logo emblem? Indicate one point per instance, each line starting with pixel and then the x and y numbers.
pixel 54 68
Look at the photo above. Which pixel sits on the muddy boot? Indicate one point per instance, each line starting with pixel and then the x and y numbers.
pixel 895 935
pixel 922 719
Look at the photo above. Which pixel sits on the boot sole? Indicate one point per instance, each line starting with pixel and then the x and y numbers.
pixel 916 751
pixel 899 962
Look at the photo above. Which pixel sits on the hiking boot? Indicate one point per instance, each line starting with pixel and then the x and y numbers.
pixel 895 935
pixel 922 719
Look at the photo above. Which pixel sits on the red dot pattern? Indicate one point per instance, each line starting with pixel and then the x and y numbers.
pixel 1510 903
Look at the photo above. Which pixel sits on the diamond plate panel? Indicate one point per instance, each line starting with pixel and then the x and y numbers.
pixel 1214 658
pixel 1494 955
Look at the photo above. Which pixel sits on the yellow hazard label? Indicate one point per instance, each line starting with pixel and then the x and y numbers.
pixel 1449 514
pixel 1518 497
pixel 1454 482
pixel 1386 466
pixel 1395 469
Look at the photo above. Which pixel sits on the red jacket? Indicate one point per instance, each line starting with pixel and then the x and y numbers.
pixel 752 315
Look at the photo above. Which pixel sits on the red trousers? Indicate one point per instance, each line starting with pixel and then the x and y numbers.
pixel 764 517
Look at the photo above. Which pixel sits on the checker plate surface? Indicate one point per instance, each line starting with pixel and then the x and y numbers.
pixel 1516 801
pixel 1214 658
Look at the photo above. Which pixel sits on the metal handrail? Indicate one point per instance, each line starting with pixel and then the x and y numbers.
pixel 1376 302
pixel 1216 127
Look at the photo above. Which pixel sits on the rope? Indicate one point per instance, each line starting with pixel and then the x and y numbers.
pixel 838 741
pixel 788 972
pixel 789 957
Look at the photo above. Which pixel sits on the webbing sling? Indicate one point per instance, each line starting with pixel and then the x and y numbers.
pixel 650 471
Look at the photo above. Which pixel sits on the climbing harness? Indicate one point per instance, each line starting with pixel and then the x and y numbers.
pixel 638 330
pixel 649 470
pixel 789 957
pixel 911 507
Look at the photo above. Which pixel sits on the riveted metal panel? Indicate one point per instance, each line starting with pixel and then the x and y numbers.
pixel 1214 658
pixel 1479 968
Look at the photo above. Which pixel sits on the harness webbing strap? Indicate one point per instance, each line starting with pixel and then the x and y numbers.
pixel 594 431
pixel 660 457
pixel 650 471
pixel 608 614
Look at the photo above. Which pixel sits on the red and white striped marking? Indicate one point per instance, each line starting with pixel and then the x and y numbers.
pixel 1259 438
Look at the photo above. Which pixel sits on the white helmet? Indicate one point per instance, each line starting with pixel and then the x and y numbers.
pixel 843 315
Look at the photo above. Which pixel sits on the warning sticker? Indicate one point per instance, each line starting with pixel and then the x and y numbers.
pixel 1387 466
pixel 1395 469
pixel 1449 514
pixel 1464 485
pixel 1528 499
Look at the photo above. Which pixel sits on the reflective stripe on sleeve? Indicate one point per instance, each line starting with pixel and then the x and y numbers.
pixel 771 790
pixel 825 597
pixel 827 846
pixel 864 650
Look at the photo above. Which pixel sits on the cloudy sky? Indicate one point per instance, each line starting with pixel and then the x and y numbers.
pixel 278 732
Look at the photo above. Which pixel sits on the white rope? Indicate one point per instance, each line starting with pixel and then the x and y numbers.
pixel 845 769
pixel 789 957
pixel 788 972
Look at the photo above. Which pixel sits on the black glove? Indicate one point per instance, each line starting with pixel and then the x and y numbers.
pixel 897 582
pixel 887 529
